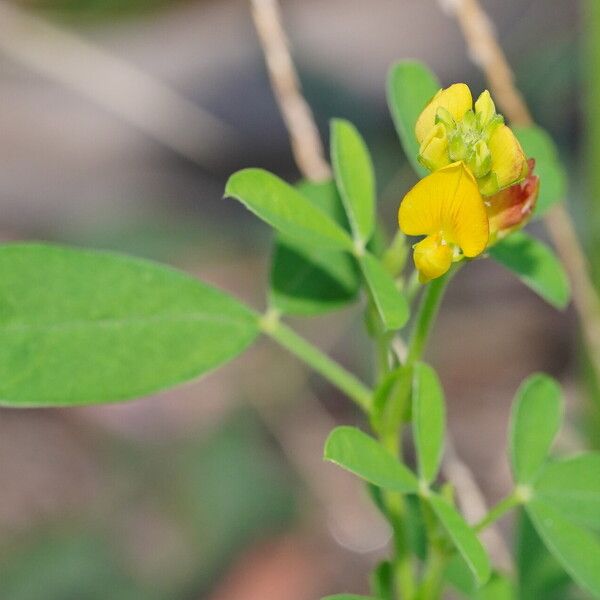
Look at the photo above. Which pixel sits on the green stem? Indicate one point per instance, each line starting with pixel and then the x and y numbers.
pixel 404 577
pixel 498 511
pixel 320 362
pixel 428 309
pixel 433 577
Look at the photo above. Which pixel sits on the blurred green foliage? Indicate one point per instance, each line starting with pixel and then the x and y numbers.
pixel 97 9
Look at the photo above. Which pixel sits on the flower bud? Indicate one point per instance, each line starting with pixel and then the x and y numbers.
pixel 512 208
pixel 433 154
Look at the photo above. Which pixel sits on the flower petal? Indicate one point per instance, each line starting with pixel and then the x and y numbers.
pixel 432 259
pixel 433 153
pixel 447 202
pixel 511 208
pixel 509 164
pixel 456 99
pixel 485 108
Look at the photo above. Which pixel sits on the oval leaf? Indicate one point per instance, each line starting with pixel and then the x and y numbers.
pixel 391 304
pixel 285 209
pixel 348 597
pixel 360 454
pixel 463 537
pixel 535 420
pixel 429 420
pixel 538 144
pixel 354 177
pixel 84 327
pixel 577 550
pixel 536 265
pixel 572 486
pixel 306 280
pixel 410 86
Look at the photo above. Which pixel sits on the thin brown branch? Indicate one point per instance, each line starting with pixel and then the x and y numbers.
pixel 487 53
pixel 304 135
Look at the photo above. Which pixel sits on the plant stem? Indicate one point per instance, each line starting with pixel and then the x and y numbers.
pixel 498 511
pixel 428 309
pixel 320 362
pixel 433 577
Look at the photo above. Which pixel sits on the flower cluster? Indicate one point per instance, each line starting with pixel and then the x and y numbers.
pixel 481 187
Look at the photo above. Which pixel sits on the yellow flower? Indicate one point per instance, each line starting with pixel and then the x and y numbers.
pixel 448 209
pixel 451 129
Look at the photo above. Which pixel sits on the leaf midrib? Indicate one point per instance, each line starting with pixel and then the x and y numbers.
pixel 125 321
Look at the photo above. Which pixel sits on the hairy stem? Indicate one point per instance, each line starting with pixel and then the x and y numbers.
pixel 498 511
pixel 320 362
pixel 430 305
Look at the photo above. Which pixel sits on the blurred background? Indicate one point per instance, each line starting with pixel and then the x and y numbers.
pixel 120 121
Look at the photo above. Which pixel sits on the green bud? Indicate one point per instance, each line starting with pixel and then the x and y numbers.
pixel 443 116
pixel 480 159
pixel 457 147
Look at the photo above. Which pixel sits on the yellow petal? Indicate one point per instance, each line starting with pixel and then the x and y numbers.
pixel 433 153
pixel 456 99
pixel 509 164
pixel 485 108
pixel 432 258
pixel 447 202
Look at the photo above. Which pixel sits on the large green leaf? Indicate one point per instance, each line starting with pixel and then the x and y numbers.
pixel 286 209
pixel 83 327
pixel 539 573
pixel 410 86
pixel 576 549
pixel 391 303
pixel 572 486
pixel 535 420
pixel 429 420
pixel 463 537
pixel 360 454
pixel 354 177
pixel 306 280
pixel 538 144
pixel 535 265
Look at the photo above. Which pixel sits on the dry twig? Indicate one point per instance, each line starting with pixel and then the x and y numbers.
pixel 304 135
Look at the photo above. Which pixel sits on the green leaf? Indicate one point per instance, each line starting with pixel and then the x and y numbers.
pixel 536 265
pixel 391 304
pixel 306 280
pixel 354 177
pixel 572 486
pixel 360 454
pixel 535 420
pixel 410 87
pixel 429 420
pixel 499 587
pixel 85 327
pixel 576 549
pixel 463 537
pixel 382 581
pixel 538 144
pixel 391 401
pixel 539 573
pixel 286 209
pixel 348 597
